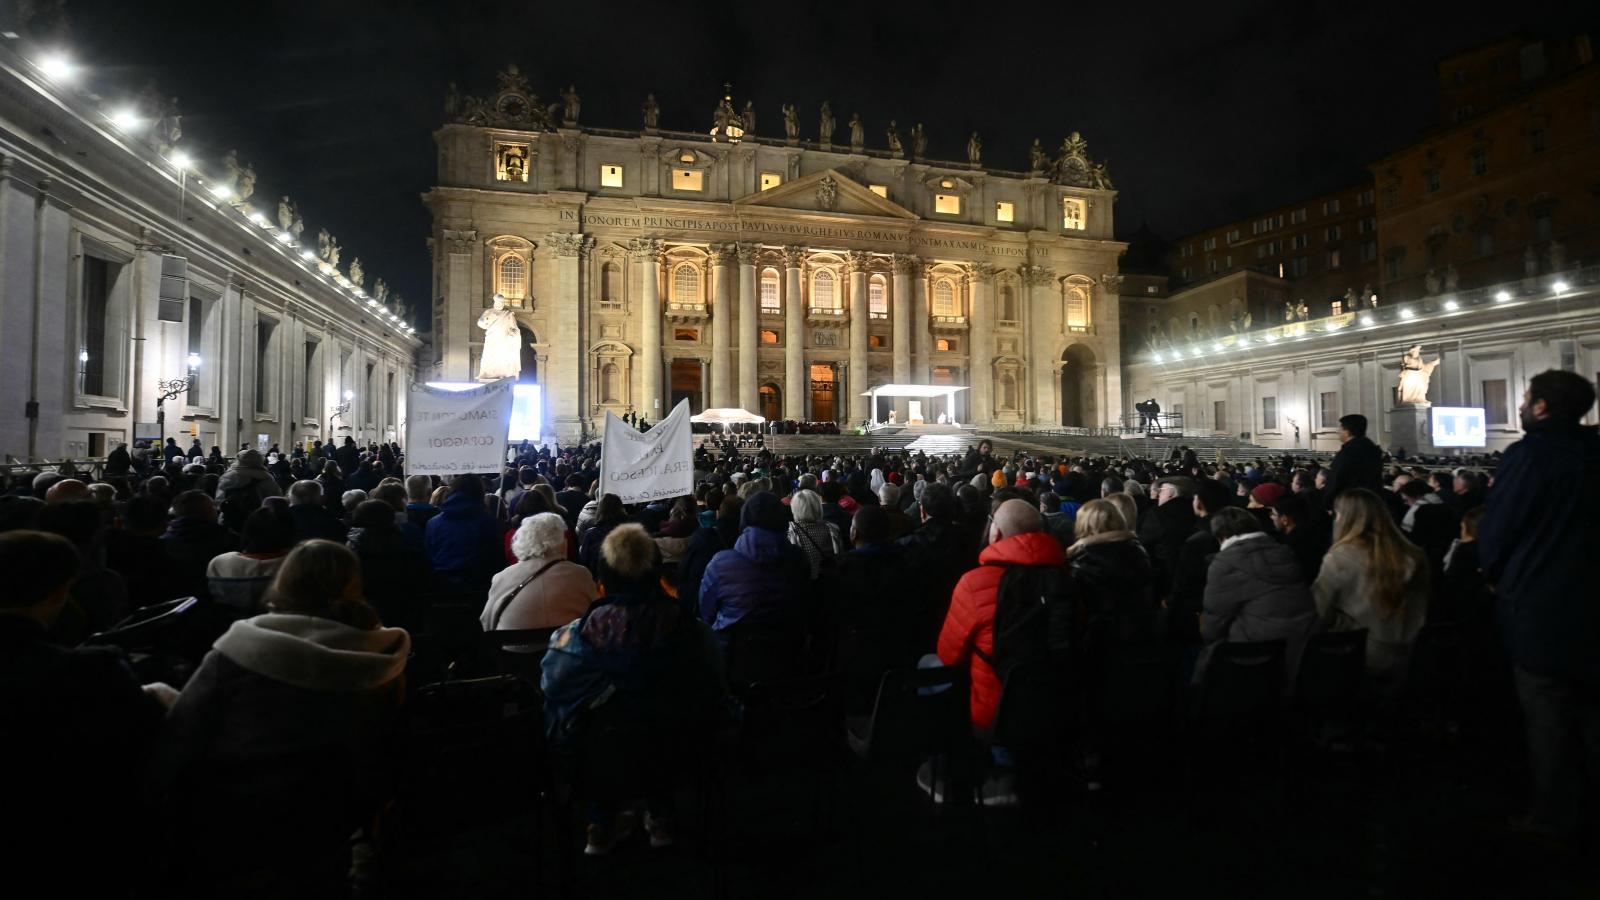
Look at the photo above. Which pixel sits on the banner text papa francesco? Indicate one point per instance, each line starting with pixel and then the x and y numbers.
pixel 652 465
pixel 458 432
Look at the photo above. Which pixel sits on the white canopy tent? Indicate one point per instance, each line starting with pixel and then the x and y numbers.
pixel 919 391
pixel 729 416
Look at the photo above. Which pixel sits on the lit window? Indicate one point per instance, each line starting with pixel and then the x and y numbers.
pixel 610 176
pixel 687 180
pixel 686 284
pixel 1004 211
pixel 947 183
pixel 941 345
pixel 686 157
pixel 1077 307
pixel 822 295
pixel 1072 214
pixel 877 299
pixel 769 290
pixel 770 180
pixel 882 190
pixel 513 278
pixel 769 337
pixel 686 334
pixel 875 341
pixel 1333 259
pixel 944 299
pixel 947 204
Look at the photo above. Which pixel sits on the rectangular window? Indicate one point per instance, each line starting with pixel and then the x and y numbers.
pixel 770 180
pixel 1186 274
pixel 688 180
pixel 1333 259
pixel 1004 211
pixel 1329 407
pixel 197 320
pixel 1227 261
pixel 1298 217
pixel 1072 212
pixel 1480 161
pixel 264 331
pixel 1542 226
pixel 1366 198
pixel 1233 236
pixel 1269 413
pixel 1496 411
pixel 1369 251
pixel 1431 179
pixel 97 278
pixel 1209 245
pixel 1485 243
pixel 769 293
pixel 947 204
pixel 1393 267
pixel 311 391
pixel 1391 196
pixel 1332 233
pixel 882 190
pixel 1219 415
pixel 610 175
pixel 1298 266
pixel 1278 222
pixel 1336 308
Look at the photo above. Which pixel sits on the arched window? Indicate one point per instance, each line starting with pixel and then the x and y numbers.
pixel 686 284
pixel 1077 307
pixel 769 291
pixel 878 297
pixel 610 284
pixel 1008 304
pixel 944 298
pixel 822 295
pixel 513 278
pixel 610 382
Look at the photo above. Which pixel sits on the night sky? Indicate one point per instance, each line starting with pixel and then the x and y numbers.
pixel 1204 112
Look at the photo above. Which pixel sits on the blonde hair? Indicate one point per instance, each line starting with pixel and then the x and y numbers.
pixel 628 552
pixel 1363 522
pixel 315 580
pixel 1125 504
pixel 1098 517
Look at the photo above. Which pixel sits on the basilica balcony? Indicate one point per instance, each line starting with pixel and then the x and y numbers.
pixel 827 317
pixel 949 324
pixel 687 313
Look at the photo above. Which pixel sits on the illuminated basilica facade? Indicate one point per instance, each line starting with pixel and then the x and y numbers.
pixel 737 267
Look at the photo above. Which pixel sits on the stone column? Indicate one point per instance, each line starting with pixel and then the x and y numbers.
pixel 461 307
pixel 722 259
pixel 900 314
pixel 980 337
pixel 565 372
pixel 921 327
pixel 1108 311
pixel 859 407
pixel 647 253
pixel 796 387
pixel 749 336
pixel 1045 326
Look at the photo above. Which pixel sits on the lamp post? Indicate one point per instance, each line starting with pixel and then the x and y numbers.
pixel 170 389
pixel 340 410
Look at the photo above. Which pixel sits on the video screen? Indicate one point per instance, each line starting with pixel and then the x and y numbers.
pixel 1459 426
pixel 527 403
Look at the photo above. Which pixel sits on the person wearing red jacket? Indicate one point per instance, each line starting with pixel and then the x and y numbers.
pixel 1016 538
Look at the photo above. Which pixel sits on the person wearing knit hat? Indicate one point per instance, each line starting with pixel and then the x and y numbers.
pixel 1262 496
pixel 998 479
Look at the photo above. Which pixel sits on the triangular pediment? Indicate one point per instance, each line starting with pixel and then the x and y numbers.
pixel 828 191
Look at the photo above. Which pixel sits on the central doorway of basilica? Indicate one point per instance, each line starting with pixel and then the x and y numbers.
pixel 686 385
pixel 771 402
pixel 824 391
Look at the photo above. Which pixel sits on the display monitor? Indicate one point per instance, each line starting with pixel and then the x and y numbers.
pixel 527 407
pixel 1459 426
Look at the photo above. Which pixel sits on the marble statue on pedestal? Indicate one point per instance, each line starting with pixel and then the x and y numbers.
pixel 652 112
pixel 502 343
pixel 825 124
pixel 974 150
pixel 1414 377
pixel 791 123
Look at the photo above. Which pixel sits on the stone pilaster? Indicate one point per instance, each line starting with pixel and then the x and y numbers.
pixel 749 334
pixel 562 379
pixel 980 338
pixel 921 328
pixel 647 253
pixel 796 386
pixel 722 261
pixel 462 308
pixel 1044 317
pixel 859 407
pixel 900 315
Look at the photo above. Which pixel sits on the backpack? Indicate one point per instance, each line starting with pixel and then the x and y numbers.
pixel 237 505
pixel 1033 621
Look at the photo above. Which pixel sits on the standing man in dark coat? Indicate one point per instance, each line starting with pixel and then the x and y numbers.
pixel 348 456
pixel 1359 462
pixel 1537 545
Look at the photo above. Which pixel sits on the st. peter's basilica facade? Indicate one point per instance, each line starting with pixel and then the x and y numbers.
pixel 743 267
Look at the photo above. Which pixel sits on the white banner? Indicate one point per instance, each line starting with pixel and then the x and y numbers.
pixel 656 464
pixel 457 432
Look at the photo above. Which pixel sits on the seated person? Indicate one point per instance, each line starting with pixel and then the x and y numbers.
pixel 543 589
pixel 239 580
pixel 660 674
pixel 79 726
pixel 1254 591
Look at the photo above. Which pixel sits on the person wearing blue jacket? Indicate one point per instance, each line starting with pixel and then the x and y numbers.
pixel 1536 543
pixel 466 546
pixel 759 582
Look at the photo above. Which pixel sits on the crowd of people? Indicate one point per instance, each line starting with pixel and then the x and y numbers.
pixel 313 568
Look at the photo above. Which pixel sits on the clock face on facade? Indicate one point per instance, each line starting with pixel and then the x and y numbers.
pixel 513 107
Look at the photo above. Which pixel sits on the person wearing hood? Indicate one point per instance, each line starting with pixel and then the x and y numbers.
pixel 280 738
pixel 241 489
pixel 641 665
pixel 465 543
pixel 1255 591
pixel 758 582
